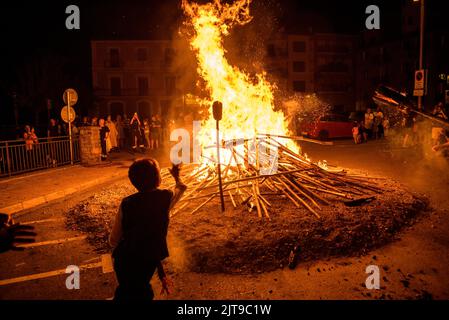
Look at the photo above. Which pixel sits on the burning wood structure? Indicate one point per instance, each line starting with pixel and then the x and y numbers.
pixel 262 169
pixel 255 167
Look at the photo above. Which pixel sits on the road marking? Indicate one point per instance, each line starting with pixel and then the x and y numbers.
pixel 50 242
pixel 105 258
pixel 41 221
pixel 46 274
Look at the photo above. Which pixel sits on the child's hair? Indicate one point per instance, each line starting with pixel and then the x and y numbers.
pixel 145 174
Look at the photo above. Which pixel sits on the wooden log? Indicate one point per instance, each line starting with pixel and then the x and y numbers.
pixel 305 204
pixel 256 200
pixel 300 191
pixel 203 204
pixel 298 138
pixel 232 199
pixel 288 196
pixel 347 196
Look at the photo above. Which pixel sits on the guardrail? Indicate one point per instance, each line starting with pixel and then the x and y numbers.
pixel 18 157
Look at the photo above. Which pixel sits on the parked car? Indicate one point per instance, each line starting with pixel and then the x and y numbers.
pixel 327 127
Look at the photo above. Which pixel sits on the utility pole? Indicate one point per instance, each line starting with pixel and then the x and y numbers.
pixel 421 45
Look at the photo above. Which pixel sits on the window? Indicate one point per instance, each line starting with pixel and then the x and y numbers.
pixel 144 109
pixel 116 86
pixel 165 108
pixel 116 108
pixel 114 58
pixel 169 56
pixel 170 85
pixel 142 54
pixel 299 86
pixel 299 66
pixel 299 46
pixel 142 83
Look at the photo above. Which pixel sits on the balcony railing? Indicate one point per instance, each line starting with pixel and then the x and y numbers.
pixel 135 92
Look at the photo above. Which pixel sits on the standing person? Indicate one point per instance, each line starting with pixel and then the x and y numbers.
pixel 120 132
pixel 28 138
pixel 104 133
pixel 147 134
pixel 409 126
pixel 155 132
pixel 378 125
pixel 362 132
pixel 443 144
pixel 369 123
pixel 112 134
pixel 94 122
pixel 54 131
pixel 135 131
pixel 85 122
pixel 355 132
pixel 139 233
pixel 34 136
pixel 386 126
pixel 438 131
pixel 127 132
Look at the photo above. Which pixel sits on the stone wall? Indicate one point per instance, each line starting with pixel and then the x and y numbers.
pixel 90 148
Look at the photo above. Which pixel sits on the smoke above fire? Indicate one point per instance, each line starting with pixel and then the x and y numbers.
pixel 248 100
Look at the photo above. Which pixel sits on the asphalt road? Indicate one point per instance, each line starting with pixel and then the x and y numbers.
pixel 412 267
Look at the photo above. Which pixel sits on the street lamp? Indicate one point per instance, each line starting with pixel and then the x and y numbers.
pixel 421 44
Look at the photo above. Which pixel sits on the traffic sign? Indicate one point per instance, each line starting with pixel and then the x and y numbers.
pixel 68 114
pixel 419 79
pixel 420 83
pixel 73 96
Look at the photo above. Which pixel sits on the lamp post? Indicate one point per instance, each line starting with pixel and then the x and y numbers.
pixel 421 43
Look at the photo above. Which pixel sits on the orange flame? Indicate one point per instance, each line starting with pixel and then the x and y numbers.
pixel 248 106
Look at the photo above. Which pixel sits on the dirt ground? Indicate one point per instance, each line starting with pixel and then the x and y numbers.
pixel 239 242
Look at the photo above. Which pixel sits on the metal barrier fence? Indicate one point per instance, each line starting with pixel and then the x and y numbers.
pixel 18 157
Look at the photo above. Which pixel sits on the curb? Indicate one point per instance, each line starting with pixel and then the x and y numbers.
pixel 16 208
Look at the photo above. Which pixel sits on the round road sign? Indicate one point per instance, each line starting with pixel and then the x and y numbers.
pixel 65 115
pixel 73 96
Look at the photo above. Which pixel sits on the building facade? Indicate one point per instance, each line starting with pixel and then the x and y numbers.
pixel 134 76
pixel 323 64
pixel 392 59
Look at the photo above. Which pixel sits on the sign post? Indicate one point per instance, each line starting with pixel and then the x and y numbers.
pixel 217 110
pixel 70 97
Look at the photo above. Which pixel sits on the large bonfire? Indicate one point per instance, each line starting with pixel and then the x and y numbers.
pixel 247 99
pixel 260 159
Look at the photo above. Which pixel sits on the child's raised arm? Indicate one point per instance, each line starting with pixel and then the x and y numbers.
pixel 180 187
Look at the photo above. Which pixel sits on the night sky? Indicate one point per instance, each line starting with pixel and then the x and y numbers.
pixel 33 33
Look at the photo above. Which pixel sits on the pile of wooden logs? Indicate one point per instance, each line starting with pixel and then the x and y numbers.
pixel 257 170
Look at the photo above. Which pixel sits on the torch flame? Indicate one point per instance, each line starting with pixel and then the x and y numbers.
pixel 248 106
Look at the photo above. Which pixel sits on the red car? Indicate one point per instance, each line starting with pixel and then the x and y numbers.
pixel 327 127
